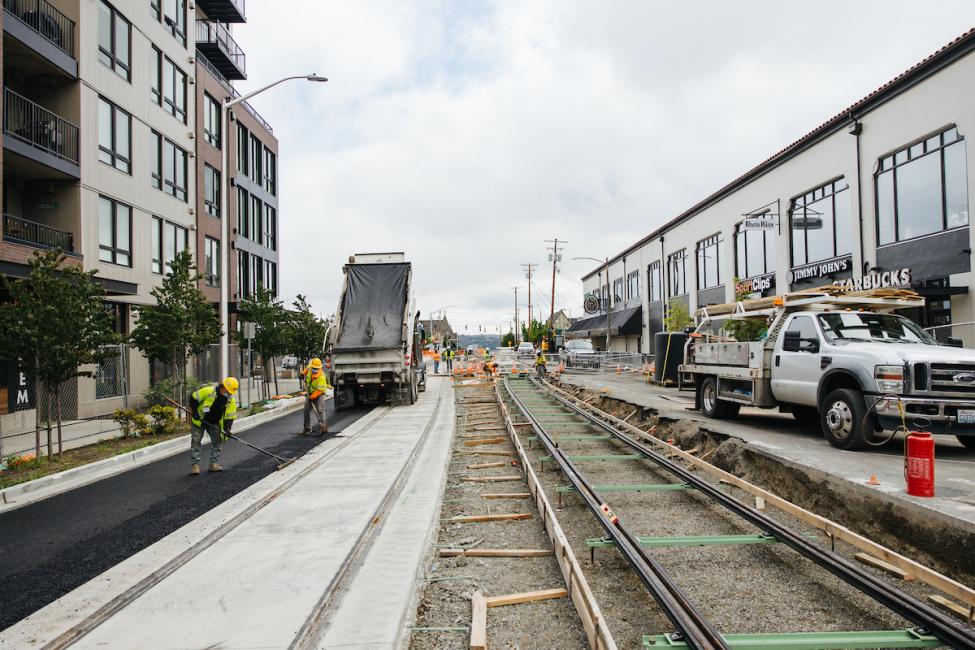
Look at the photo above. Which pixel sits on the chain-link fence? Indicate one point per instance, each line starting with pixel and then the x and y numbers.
pixel 946 334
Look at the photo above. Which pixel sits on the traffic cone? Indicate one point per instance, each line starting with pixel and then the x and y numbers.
pixel 873 480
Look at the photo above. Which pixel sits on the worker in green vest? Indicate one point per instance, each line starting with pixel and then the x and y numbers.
pixel 215 410
pixel 316 383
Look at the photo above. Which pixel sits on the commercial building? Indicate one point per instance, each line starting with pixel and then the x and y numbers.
pixel 876 196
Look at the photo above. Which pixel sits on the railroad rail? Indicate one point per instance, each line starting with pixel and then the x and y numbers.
pixel 933 628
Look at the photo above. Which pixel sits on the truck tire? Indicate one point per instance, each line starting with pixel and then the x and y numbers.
pixel 968 442
pixel 711 406
pixel 842 419
pixel 805 413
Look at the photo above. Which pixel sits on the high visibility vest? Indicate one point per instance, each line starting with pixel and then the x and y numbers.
pixel 315 383
pixel 205 397
pixel 539 361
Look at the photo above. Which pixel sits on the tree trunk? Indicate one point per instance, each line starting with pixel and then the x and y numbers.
pixel 47 418
pixel 58 415
pixel 274 371
pixel 37 411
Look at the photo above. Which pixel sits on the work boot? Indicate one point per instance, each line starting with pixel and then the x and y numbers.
pixel 215 467
pixel 306 431
pixel 322 429
pixel 195 470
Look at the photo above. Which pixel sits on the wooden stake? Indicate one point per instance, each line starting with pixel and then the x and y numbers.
pixel 484 441
pixel 490 479
pixel 478 622
pixel 488 453
pixel 877 563
pixel 514 495
pixel 495 552
pixel 487 465
pixel 468 519
pixel 527 597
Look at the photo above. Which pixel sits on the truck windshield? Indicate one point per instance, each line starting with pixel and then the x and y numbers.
pixel 865 326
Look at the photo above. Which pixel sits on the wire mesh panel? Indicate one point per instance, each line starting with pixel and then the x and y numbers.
pixel 111 373
pixel 964 332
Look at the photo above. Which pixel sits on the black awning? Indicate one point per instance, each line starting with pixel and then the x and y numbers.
pixel 935 291
pixel 625 322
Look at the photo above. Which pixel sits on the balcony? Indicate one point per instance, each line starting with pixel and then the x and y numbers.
pixel 224 11
pixel 44 141
pixel 219 47
pixel 42 39
pixel 37 235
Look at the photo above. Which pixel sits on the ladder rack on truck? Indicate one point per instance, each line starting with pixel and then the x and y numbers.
pixel 876 300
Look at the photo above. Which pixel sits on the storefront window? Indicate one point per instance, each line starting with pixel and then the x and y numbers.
pixel 677 273
pixel 922 188
pixel 633 285
pixel 820 222
pixel 709 262
pixel 654 285
pixel 754 252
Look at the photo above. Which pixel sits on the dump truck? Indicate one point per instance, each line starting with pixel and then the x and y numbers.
pixel 839 358
pixel 374 350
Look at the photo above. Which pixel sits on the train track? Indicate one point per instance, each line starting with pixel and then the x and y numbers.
pixel 319 617
pixel 532 400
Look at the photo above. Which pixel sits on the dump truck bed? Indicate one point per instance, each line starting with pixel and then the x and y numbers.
pixel 373 308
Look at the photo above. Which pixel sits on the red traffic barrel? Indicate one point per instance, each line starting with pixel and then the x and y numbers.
pixel 919 463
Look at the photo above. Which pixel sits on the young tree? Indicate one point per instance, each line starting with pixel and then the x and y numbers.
pixel 180 324
pixel 53 324
pixel 270 337
pixel 508 340
pixel 304 332
pixel 677 317
pixel 534 331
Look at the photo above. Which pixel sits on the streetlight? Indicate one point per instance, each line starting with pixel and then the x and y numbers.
pixel 227 104
pixel 609 291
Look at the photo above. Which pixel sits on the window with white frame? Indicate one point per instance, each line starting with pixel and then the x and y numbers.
pixel 709 262
pixel 922 188
pixel 677 273
pixel 821 223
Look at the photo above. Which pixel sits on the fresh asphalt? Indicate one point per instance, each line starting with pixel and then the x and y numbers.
pixel 53 546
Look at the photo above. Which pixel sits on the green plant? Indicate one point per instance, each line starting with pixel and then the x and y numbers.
pixel 508 340
pixel 677 317
pixel 22 462
pixel 126 422
pixel 304 332
pixel 534 331
pixel 164 420
pixel 745 330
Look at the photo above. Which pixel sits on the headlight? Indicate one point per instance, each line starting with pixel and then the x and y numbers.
pixel 890 379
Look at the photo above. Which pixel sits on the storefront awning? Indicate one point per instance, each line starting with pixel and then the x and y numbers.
pixel 625 322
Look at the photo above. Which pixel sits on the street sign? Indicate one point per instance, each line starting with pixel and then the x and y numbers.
pixel 591 304
pixel 249 330
pixel 758 223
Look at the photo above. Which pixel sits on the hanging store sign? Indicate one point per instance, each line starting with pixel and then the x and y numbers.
pixel 819 270
pixel 16 391
pixel 758 223
pixel 591 303
pixel 755 287
pixel 879 280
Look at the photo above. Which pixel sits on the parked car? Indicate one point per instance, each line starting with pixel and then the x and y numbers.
pixel 526 350
pixel 579 353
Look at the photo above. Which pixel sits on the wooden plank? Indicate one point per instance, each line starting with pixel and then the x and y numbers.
pixel 487 465
pixel 967 614
pixel 495 552
pixel 490 479
pixel 511 495
pixel 467 519
pixel 526 597
pixel 478 622
pixel 877 563
pixel 488 453
pixel 483 441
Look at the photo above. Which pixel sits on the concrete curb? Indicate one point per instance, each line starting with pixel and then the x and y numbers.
pixel 22 494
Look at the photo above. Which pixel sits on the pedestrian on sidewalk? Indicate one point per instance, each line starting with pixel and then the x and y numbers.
pixel 436 361
pixel 540 365
pixel 215 410
pixel 316 383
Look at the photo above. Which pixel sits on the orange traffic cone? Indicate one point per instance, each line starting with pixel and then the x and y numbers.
pixel 873 480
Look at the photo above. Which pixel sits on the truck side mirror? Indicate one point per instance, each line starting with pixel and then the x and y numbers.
pixel 790 342
pixel 955 343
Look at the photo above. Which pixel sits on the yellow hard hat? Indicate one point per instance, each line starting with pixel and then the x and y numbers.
pixel 230 383
pixel 315 364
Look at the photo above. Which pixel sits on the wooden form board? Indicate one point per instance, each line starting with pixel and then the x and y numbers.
pixel 478 622
pixel 920 572
pixel 591 616
pixel 526 597
pixel 496 552
pixel 468 519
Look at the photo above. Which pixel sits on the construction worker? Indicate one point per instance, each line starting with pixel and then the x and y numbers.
pixel 215 410
pixel 316 384
pixel 540 365
pixel 436 361
pixel 449 358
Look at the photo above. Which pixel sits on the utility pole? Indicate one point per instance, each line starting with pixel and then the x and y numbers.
pixel 529 267
pixel 516 315
pixel 555 257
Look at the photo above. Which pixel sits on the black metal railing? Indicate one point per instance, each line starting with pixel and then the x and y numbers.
pixel 46 20
pixel 39 127
pixel 232 91
pixel 211 32
pixel 36 234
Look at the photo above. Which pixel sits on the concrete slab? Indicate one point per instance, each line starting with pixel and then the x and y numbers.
pixel 802 443
pixel 255 586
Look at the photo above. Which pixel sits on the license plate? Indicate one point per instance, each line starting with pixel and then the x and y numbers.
pixel 966 416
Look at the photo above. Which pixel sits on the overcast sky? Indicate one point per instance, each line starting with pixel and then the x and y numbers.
pixel 467 133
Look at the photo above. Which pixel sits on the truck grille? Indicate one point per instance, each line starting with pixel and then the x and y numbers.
pixel 952 378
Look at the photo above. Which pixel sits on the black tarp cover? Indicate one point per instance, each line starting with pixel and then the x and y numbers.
pixel 374 306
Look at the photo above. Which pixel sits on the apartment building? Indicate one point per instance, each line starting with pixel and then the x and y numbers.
pixel 876 196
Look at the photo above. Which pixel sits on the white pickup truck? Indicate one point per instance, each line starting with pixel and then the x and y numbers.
pixel 840 358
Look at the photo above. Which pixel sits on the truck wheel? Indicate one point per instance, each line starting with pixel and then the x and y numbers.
pixel 968 442
pixel 805 413
pixel 841 418
pixel 713 407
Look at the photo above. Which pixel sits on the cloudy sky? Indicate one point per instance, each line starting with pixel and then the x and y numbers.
pixel 466 133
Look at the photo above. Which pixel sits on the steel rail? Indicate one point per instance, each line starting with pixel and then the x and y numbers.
pixel 893 598
pixel 695 629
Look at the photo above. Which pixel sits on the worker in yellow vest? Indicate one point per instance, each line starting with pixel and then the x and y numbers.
pixel 436 361
pixel 316 383
pixel 214 411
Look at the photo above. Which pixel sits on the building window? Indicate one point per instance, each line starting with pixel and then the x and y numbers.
pixel 114 136
pixel 211 120
pixel 243 140
pixel 633 285
pixel 271 278
pixel 271 227
pixel 173 17
pixel 114 39
pixel 174 90
pixel 157 246
pixel 155 159
pixel 243 275
pixel 257 221
pixel 154 7
pixel 821 224
pixel 170 167
pixel 270 172
pixel 211 191
pixel 243 202
pixel 257 273
pixel 114 232
pixel 256 153
pixel 754 252
pixel 211 264
pixel 677 273
pixel 617 290
pixel 922 188
pixel 155 61
pixel 654 285
pixel 709 262
pixel 175 240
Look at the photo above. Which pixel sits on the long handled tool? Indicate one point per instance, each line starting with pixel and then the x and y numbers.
pixel 284 461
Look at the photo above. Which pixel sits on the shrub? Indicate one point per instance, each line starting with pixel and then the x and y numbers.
pixel 132 423
pixel 677 317
pixel 164 420
pixel 22 462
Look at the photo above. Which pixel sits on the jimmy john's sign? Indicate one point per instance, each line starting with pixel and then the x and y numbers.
pixel 878 280
pixel 819 270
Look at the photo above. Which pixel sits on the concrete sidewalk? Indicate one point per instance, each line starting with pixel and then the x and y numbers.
pixel 802 443
pixel 258 583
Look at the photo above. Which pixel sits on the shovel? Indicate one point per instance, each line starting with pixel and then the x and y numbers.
pixel 284 461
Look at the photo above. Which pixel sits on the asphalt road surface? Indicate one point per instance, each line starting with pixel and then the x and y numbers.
pixel 53 546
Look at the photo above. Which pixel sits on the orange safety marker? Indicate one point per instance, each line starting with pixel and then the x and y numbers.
pixel 613 519
pixel 873 480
